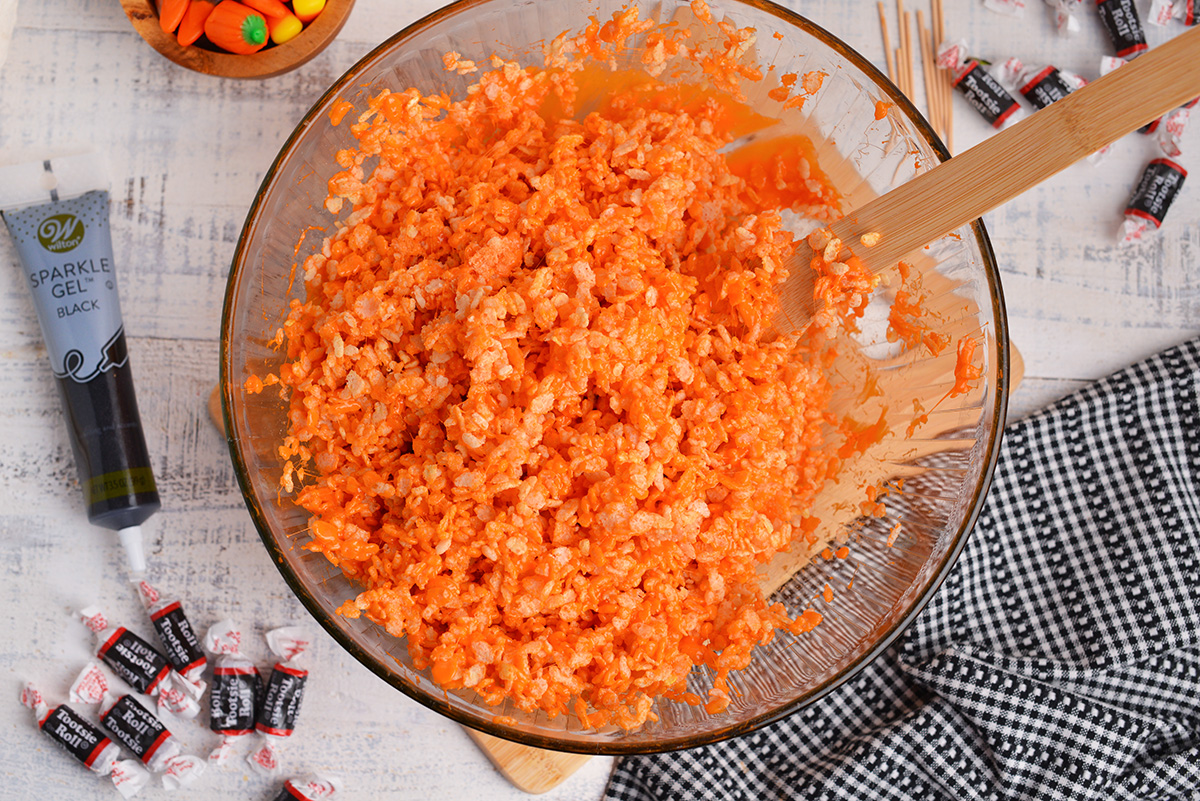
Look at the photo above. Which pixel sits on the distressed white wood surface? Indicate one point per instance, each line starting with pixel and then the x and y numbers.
pixel 187 153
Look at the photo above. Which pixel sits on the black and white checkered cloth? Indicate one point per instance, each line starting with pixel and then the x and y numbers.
pixel 1060 659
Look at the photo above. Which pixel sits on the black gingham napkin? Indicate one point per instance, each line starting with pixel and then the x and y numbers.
pixel 1060 659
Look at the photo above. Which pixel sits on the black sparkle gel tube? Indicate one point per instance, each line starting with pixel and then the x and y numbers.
pixel 57 213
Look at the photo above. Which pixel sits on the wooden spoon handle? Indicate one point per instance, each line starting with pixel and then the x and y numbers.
pixel 1005 165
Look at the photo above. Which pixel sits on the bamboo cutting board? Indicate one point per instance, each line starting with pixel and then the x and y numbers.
pixel 537 770
pixel 534 770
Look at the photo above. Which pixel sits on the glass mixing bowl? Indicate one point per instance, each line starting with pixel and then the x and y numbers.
pixel 946 465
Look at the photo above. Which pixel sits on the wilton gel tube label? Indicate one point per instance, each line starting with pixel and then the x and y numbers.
pixel 57 213
pixel 66 249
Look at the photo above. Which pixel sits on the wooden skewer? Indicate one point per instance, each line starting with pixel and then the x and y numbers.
pixel 932 93
pixel 908 54
pixel 887 44
pixel 933 82
pixel 947 101
pixel 900 59
pixel 909 59
pixel 939 88
pixel 947 91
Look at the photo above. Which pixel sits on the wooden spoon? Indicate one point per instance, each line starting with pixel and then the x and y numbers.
pixel 962 189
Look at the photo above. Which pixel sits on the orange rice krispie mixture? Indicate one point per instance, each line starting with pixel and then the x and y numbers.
pixel 537 409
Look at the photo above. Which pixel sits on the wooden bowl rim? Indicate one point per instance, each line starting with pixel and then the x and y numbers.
pixel 263 64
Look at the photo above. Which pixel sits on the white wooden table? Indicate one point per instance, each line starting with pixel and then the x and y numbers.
pixel 187 153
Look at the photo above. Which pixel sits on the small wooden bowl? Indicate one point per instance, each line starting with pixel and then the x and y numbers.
pixel 272 60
